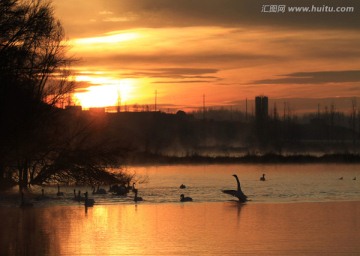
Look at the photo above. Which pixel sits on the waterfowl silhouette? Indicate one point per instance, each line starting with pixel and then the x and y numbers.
pixel 89 202
pixel 137 198
pixel 341 178
pixel 354 178
pixel 185 199
pixel 59 193
pixel 133 188
pixel 99 191
pixel 262 178
pixel 182 186
pixel 78 197
pixel 237 193
pixel 42 196
pixel 119 190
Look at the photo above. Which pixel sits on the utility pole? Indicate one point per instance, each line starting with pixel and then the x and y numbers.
pixel 118 101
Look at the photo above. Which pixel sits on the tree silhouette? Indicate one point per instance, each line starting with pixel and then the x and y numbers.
pixel 38 142
pixel 33 70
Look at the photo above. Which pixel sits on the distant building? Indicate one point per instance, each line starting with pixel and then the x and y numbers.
pixel 261 107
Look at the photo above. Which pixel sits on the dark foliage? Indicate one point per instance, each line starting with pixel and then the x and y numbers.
pixel 40 143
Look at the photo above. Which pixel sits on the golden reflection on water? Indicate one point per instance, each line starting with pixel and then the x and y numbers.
pixel 183 229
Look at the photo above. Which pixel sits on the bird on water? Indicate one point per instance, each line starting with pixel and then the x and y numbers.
pixel 89 202
pixel 262 178
pixel 185 198
pixel 237 193
pixel 136 197
pixel 59 193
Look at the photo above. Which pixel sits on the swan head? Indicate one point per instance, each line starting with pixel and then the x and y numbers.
pixel 182 196
pixel 234 175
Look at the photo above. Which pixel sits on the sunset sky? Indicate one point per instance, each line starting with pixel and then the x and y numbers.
pixel 227 50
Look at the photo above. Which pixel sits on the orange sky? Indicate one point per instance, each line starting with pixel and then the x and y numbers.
pixel 227 50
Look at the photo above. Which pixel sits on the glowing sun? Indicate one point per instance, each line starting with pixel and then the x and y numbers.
pixel 109 92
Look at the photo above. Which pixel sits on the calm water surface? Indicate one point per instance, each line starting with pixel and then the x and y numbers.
pixel 298 210
pixel 284 183
pixel 184 229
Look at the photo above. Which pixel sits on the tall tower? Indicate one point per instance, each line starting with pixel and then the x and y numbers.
pixel 261 108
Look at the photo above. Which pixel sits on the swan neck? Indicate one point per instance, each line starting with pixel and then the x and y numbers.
pixel 238 183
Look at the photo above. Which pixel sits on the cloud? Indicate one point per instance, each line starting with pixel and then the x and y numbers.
pixel 129 14
pixel 179 73
pixel 215 59
pixel 106 13
pixel 320 77
pixel 182 82
pixel 163 13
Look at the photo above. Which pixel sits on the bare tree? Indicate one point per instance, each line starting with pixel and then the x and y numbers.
pixel 33 79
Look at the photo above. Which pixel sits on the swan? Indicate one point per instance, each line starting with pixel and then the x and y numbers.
pixel 133 189
pixel 24 203
pixel 59 193
pixel 89 202
pixel 185 199
pixel 262 178
pixel 182 186
pixel 237 193
pixel 137 198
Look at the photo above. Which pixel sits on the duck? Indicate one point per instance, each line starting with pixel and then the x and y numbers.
pixel 136 197
pixel 59 193
pixel 184 198
pixel 237 193
pixel 182 186
pixel 341 178
pixel 262 178
pixel 89 202
pixel 354 178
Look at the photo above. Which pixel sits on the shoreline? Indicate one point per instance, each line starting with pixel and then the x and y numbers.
pixel 157 159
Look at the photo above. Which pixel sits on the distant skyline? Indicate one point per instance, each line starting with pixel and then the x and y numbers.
pixel 228 50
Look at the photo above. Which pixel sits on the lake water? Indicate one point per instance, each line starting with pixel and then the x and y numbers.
pixel 284 183
pixel 298 210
